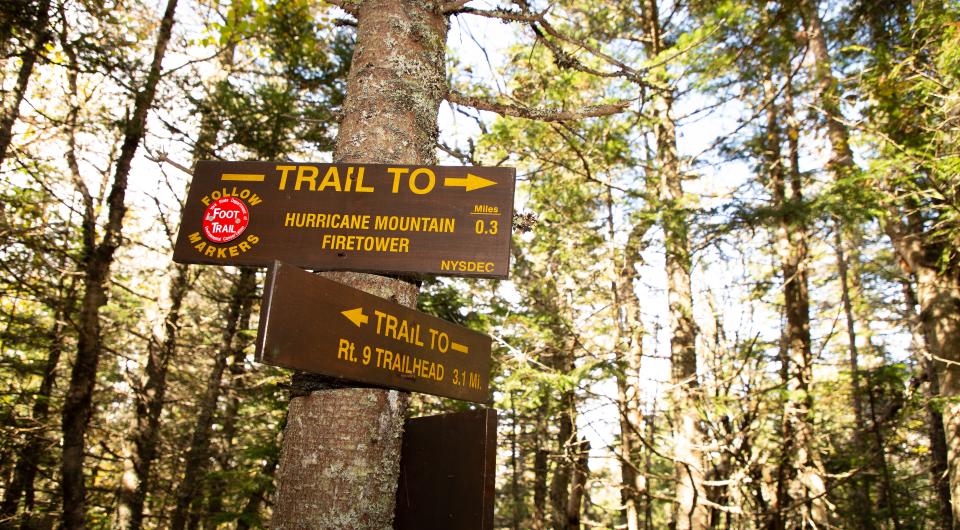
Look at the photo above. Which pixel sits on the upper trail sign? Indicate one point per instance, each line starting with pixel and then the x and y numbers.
pixel 446 220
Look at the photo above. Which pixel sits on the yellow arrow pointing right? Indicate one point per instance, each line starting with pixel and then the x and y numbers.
pixel 356 316
pixel 470 182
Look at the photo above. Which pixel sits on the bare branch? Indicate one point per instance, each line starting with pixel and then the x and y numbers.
pixel 538 113
pixel 345 5
pixel 162 157
pixel 624 70
pixel 453 7
pixel 502 14
pixel 541 27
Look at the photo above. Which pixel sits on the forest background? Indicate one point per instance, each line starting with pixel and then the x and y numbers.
pixel 735 296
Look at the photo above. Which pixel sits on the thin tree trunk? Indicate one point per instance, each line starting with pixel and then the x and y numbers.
pixel 540 468
pixel 136 481
pixel 938 450
pixel 149 405
pixel 219 485
pixel 11 110
pixel 566 460
pixel 578 486
pixel 863 483
pixel 938 296
pixel 517 497
pixel 235 314
pixel 25 471
pixel 629 349
pixel 389 116
pixel 651 421
pixel 938 441
pixel 841 160
pixel 690 512
pixel 805 483
pixel 875 455
pixel 97 261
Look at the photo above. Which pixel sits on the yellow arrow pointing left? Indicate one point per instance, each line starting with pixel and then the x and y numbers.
pixel 470 182
pixel 356 316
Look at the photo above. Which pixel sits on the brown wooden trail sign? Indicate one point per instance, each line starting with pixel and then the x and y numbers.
pixel 317 325
pixel 445 220
pixel 447 472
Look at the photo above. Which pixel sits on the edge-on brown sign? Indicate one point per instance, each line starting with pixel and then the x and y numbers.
pixel 447 472
pixel 311 323
pixel 444 220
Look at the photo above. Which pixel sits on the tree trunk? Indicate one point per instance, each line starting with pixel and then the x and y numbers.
pixel 578 486
pixel 330 427
pixel 938 295
pixel 804 482
pixel 560 484
pixel 940 314
pixel 136 481
pixel 149 404
pixel 629 347
pixel 690 512
pixel 828 97
pixel 97 261
pixel 218 486
pixel 938 440
pixel 861 484
pixel 11 110
pixel 874 455
pixel 540 467
pixel 396 83
pixel 25 471
pixel 651 421
pixel 236 317
pixel 515 465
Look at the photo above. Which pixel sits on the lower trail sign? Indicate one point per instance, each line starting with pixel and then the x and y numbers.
pixel 317 325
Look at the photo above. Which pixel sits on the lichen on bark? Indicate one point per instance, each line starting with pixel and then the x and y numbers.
pixel 341 451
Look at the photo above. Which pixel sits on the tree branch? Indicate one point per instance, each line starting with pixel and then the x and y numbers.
pixel 537 113
pixel 541 27
pixel 452 7
pixel 345 5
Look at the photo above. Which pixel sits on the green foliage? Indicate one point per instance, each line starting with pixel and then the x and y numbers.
pixel 266 79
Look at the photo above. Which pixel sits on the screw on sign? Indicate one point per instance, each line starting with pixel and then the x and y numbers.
pixel 225 219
